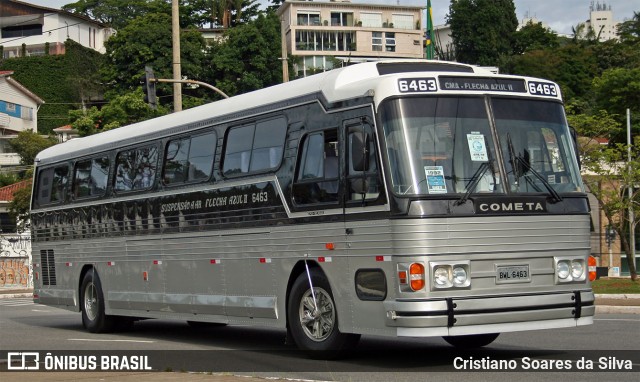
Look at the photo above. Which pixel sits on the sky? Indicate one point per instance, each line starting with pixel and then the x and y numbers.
pixel 559 15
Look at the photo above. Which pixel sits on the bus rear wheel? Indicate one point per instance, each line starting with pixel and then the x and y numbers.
pixel 471 341
pixel 94 318
pixel 313 319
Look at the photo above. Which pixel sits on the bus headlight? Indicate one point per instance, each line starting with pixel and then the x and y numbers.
pixel 577 269
pixel 446 275
pixel 569 269
pixel 441 277
pixel 460 277
pixel 562 270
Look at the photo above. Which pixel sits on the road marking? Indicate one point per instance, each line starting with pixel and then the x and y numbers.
pixel 616 319
pixel 95 340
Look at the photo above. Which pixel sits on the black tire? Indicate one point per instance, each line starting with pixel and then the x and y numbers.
pixel 94 318
pixel 471 341
pixel 316 332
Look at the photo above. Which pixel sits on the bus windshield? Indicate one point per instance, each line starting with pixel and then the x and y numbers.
pixel 445 145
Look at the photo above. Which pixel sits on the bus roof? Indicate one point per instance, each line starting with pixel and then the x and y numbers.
pixel 335 85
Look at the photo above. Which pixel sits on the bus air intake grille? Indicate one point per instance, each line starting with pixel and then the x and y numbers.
pixel 48 264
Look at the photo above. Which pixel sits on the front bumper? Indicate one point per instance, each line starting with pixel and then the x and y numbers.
pixel 495 314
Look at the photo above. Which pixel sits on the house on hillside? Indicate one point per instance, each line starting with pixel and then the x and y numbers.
pixel 41 29
pixel 18 112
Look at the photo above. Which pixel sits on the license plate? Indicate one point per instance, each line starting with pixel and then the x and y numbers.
pixel 512 274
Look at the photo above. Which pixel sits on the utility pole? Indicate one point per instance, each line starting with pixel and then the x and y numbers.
pixel 177 71
pixel 632 226
pixel 285 62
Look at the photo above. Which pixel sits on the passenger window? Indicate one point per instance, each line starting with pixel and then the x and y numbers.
pixel 90 178
pixel 317 180
pixel 60 180
pixel 52 183
pixel 252 148
pixel 189 159
pixel 136 169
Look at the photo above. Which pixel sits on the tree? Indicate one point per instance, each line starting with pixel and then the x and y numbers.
pixel 122 110
pixel 28 144
pixel 147 41
pixel 534 37
pixel 609 175
pixel 248 58
pixel 117 13
pixel 616 91
pixel 482 30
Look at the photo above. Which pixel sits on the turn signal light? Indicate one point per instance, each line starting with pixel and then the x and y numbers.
pixel 416 275
pixel 592 268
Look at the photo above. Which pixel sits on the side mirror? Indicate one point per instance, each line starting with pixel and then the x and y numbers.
pixel 359 142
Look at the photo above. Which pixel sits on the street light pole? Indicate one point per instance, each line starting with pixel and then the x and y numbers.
pixel 177 71
pixel 632 231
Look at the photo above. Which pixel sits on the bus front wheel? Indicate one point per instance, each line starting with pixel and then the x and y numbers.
pixel 472 340
pixel 94 318
pixel 313 318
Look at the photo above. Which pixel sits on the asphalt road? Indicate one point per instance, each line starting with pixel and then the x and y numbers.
pixel 612 343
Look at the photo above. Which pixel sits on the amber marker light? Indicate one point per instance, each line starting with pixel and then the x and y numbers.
pixel 416 272
pixel 592 268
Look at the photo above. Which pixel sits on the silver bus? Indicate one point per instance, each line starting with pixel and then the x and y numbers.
pixel 397 198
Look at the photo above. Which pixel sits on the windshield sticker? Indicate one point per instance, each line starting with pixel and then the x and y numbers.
pixel 435 180
pixel 477 148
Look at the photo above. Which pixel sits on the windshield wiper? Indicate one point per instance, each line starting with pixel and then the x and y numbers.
pixel 473 183
pixel 545 183
pixel 517 160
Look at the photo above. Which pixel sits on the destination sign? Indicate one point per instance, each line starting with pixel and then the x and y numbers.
pixel 483 84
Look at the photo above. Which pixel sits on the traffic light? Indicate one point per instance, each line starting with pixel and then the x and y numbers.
pixel 149 87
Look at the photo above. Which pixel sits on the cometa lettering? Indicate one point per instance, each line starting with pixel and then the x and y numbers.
pixel 511 207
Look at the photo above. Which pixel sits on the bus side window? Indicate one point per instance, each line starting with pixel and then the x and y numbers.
pixel 189 159
pixel 317 180
pixel 136 169
pixel 90 178
pixel 59 184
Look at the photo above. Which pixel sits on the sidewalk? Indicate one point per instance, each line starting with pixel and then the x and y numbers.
pixel 605 303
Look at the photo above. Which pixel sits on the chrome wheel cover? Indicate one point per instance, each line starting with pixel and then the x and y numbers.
pixel 91 301
pixel 317 324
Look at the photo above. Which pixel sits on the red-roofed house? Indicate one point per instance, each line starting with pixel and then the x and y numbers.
pixel 7 224
pixel 38 27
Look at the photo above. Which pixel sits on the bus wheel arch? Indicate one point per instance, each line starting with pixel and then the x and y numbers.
pixel 315 331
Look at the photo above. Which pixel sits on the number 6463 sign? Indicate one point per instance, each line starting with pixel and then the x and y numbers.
pixel 417 85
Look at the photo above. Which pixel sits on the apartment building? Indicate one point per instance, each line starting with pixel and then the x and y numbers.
pixel 326 34
pixel 601 22
pixel 27 29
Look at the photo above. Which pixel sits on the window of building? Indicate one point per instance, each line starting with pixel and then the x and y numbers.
pixel 403 21
pixel 390 41
pixel 376 41
pixel 254 147
pixel 90 178
pixel 308 18
pixel 371 20
pixel 344 19
pixel 136 169
pixel 189 159
pixel 325 41
pixel 22 31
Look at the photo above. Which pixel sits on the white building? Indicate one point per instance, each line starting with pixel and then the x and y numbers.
pixel 601 22
pixel 18 112
pixel 41 28
pixel 324 33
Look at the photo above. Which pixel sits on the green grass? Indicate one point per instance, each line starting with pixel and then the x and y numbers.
pixel 615 286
